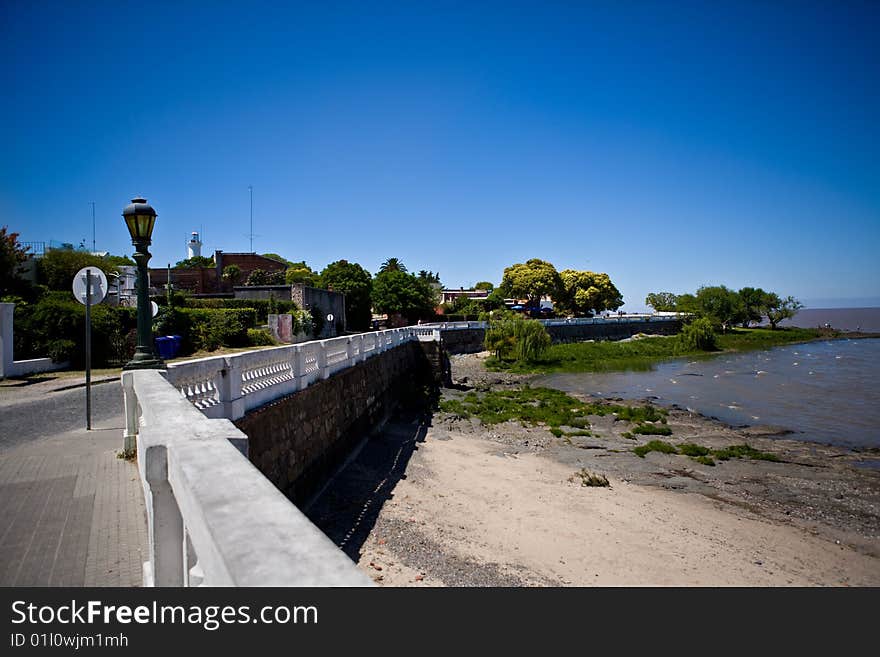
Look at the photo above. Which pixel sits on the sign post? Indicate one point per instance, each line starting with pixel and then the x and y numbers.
pixel 89 288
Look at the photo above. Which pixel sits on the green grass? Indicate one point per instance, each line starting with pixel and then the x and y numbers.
pixel 743 452
pixel 705 460
pixel 641 355
pixel 690 449
pixel 551 407
pixel 652 430
pixel 655 446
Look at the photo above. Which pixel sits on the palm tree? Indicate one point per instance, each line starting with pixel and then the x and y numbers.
pixel 392 264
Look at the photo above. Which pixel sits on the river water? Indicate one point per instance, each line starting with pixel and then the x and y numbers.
pixel 825 391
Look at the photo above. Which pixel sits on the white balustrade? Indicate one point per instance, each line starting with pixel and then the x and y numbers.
pixel 212 518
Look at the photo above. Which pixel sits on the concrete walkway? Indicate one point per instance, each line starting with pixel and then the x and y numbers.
pixel 71 511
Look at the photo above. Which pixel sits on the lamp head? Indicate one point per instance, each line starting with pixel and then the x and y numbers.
pixel 140 217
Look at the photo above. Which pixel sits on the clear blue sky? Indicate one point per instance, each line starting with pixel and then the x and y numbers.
pixel 670 145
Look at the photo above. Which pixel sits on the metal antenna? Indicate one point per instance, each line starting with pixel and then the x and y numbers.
pixel 93 228
pixel 251 191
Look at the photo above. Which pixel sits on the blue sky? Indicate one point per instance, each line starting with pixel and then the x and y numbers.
pixel 670 145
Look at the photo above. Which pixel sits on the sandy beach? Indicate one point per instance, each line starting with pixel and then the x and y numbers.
pixel 446 501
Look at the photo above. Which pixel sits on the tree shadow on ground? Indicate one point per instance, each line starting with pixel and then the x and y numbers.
pixel 347 509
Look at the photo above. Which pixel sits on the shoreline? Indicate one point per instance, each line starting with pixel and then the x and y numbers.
pixel 462 504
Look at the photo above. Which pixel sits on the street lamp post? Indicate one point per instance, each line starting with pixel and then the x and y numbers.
pixel 140 217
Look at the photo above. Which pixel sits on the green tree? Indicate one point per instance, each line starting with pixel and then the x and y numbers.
pixel 395 291
pixel 531 280
pixel 232 274
pixel 392 264
pixel 301 274
pixel 57 267
pixel 195 262
pixel 753 299
pixel 662 301
pixel 356 284
pixel 721 305
pixel 778 309
pixel 12 255
pixel 263 277
pixel 687 303
pixel 484 285
pixel 587 292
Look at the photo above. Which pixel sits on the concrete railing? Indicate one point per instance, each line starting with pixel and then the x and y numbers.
pixel 10 367
pixel 213 519
pixel 230 386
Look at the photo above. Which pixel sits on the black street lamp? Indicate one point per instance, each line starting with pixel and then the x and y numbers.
pixel 140 217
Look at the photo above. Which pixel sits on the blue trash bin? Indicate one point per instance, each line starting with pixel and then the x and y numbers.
pixel 176 341
pixel 164 346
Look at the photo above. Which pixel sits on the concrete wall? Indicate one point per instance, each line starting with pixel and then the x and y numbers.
pixel 297 441
pixel 465 341
pixel 8 365
pixel 327 302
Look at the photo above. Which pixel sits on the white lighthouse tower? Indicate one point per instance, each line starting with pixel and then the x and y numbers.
pixel 194 246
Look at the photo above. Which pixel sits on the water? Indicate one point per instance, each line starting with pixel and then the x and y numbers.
pixel 844 319
pixel 825 391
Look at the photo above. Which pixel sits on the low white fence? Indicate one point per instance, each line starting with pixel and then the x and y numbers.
pixel 230 386
pixel 213 519
pixel 574 321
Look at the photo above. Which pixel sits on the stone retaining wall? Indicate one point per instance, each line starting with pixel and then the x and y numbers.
pixel 298 440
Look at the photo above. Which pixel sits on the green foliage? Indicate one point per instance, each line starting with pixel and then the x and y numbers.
pixel 392 264
pixel 722 306
pixel 395 291
pixel 430 277
pixel 528 405
pixel 705 460
pixel 12 255
pixel 753 300
pixel 317 320
pixel 655 446
pixel 57 267
pixel 586 292
pixel 641 355
pixel 261 306
pixel 299 273
pixel 195 263
pixel 698 335
pixel 206 329
pixel 515 338
pixel 356 284
pixel 662 301
pixel 531 280
pixel 232 274
pixel 691 449
pixel 745 451
pixel 778 309
pixel 263 277
pixel 55 327
pixel 652 430
pixel 259 337
pixel 484 285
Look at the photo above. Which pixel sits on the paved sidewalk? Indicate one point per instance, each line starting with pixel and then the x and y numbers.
pixel 71 511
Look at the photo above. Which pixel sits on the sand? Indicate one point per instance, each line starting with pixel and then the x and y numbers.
pixel 462 504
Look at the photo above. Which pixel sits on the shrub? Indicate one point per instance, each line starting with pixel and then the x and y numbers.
pixel 516 338
pixel 588 479
pixel 655 446
pixel 260 337
pixel 698 335
pixel 653 430
pixel 208 329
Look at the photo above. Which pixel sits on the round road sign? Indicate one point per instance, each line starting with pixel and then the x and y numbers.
pixel 98 285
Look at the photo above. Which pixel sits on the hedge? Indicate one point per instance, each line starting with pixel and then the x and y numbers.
pixel 55 327
pixel 206 329
pixel 262 306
